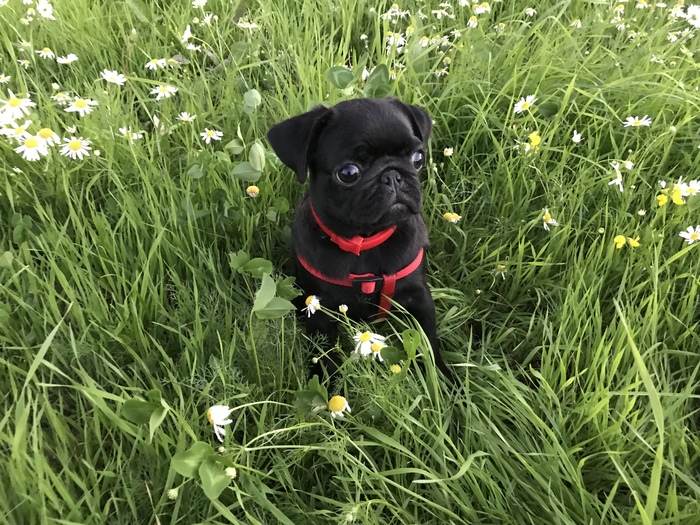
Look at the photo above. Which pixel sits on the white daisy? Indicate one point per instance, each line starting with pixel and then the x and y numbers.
pixel 198 4
pixel 365 340
pixel 691 235
pixel 113 77
pixel 165 91
pixel 577 137
pixel 76 148
pixel 49 137
pixel 218 416
pixel 692 15
pixel 16 132
pixel 186 35
pixel 193 47
pixel 68 59
pixel 529 11
pixel 186 117
pixel 338 405
pixel 4 79
pixel 524 104
pixel 312 302
pixel 129 135
pixel 61 97
pixel 14 107
pixel 473 22
pixel 210 134
pixel 548 220
pixel 155 63
pixel 576 23
pixel 636 121
pixel 45 53
pixel 618 179
pixel 45 9
pixel 83 106
pixel 32 149
pixel 24 63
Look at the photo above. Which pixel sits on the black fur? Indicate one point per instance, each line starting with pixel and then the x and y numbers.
pixel 379 136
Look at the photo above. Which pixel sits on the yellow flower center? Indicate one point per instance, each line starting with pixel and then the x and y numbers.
pixel 154 61
pixel 75 145
pixel 14 102
pixel 164 89
pixel 695 236
pixel 337 404
pixel 46 50
pixel 19 131
pixel 395 369
pixel 31 143
pixel 210 133
pixel 80 103
pixel 209 416
pixel 365 337
pixel 377 347
pixel 547 217
pixel 500 268
pixel 310 299
pixel 45 133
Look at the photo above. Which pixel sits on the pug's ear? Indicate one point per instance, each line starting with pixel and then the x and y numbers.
pixel 293 139
pixel 420 119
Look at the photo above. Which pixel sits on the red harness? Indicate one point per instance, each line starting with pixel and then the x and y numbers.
pixel 366 282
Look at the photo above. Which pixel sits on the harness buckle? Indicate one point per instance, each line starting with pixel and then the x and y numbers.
pixel 367 285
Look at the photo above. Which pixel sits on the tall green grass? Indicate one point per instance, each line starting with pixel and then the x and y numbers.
pixel 122 319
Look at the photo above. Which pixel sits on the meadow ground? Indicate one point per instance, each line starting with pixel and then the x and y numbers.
pixel 140 284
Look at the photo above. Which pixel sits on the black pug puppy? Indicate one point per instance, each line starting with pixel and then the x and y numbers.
pixel 358 235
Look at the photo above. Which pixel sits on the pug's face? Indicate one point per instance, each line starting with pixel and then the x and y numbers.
pixel 364 157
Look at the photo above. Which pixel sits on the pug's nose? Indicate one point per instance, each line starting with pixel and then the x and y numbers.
pixel 391 178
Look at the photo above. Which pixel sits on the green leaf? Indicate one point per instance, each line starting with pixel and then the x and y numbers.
pixel 187 463
pixel 340 77
pixel 271 214
pixel 411 340
pixel 195 172
pixel 6 259
pixel 256 156
pixel 378 82
pixel 265 294
pixel 275 308
pixel 4 313
pixel 156 419
pixel 548 109
pixel 141 10
pixel 138 411
pixel 235 147
pixel 393 356
pixel 214 479
pixel 238 260
pixel 252 98
pixel 256 267
pixel 245 171
pixel 281 204
pixel 286 288
pixel 222 157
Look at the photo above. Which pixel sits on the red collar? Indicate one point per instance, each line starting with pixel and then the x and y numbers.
pixel 355 244
pixel 367 282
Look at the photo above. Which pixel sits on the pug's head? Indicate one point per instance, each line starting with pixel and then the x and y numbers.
pixel 363 158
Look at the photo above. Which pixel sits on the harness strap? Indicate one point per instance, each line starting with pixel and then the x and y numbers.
pixel 368 281
pixel 355 244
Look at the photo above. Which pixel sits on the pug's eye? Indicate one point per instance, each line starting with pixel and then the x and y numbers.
pixel 417 159
pixel 348 174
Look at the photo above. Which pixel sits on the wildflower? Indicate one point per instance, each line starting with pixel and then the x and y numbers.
pixel 210 134
pixel 4 79
pixel 76 147
pixel 634 243
pixel 252 191
pixel 621 240
pixel 677 194
pixel 155 63
pixel 245 24
pixel 193 47
pixel 312 304
pixel 113 77
pixel 83 106
pixel 338 405
pixel 97 153
pixel 529 11
pixel 343 308
pixel 691 234
pixel 129 135
pixel 662 199
pixel 482 8
pixel 601 230
pixel 365 340
pixel 500 27
pixel 448 152
pixel 186 117
pixel 165 91
pixel 173 493
pixel 68 59
pixel 618 178
pixel 441 72
pixel 377 350
pixel 15 131
pixel 451 217
pixel 61 97
pixel 48 137
pixel 46 53
pixel 439 13
pixel 500 268
pixel 576 23
pixel 629 164
pixel 395 369
pixel 197 4
pixel 524 104
pixel 231 472
pixel 692 188
pixel 577 137
pixel 218 417
pixel 32 149
pixel 535 141
pixel 548 219
pixel 186 35
pixel 636 121
pixel 642 4
pixel 473 22
pixel 24 63
pixel 45 9
pixel 692 15
pixel 642 213
pixel 14 107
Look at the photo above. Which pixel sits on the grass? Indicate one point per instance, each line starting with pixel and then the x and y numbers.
pixel 122 318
